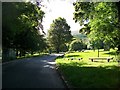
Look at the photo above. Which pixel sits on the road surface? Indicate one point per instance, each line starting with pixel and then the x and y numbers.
pixel 37 72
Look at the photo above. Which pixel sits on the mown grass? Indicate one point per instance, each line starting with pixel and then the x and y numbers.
pixel 87 74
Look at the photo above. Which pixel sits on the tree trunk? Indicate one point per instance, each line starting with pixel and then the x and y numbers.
pixel 31 52
pixel 119 48
pixel 57 50
pixel 17 53
pixel 98 52
pixel 22 53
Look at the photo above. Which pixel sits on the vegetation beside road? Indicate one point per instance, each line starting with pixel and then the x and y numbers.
pixel 34 55
pixel 87 74
pixel 28 56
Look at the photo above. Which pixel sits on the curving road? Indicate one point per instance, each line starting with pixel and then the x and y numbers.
pixel 37 72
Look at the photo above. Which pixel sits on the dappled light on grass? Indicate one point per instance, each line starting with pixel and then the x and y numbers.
pixel 87 74
pixel 73 56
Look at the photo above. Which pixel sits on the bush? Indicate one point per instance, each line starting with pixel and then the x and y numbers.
pixel 76 45
pixel 63 48
pixel 118 57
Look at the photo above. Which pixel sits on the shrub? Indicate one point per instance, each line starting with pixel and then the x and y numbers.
pixel 76 45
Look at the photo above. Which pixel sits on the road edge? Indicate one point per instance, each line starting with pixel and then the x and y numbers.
pixel 68 87
pixel 63 79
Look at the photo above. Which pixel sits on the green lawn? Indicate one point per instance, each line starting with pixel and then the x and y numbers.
pixel 87 74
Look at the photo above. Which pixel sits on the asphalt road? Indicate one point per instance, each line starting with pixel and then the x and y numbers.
pixel 37 72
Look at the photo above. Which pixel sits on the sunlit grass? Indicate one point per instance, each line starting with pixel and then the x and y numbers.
pixel 90 53
pixel 86 74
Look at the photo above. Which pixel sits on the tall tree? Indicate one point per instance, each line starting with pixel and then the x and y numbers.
pixel 59 33
pixel 103 20
pixel 20 26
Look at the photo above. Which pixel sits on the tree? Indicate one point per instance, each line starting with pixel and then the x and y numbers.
pixel 76 45
pixel 85 30
pixel 59 33
pixel 20 27
pixel 103 20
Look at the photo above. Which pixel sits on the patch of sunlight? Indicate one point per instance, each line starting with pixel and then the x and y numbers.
pixel 48 66
pixel 51 63
pixel 44 60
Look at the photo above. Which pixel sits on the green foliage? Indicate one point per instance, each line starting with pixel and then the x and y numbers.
pixel 83 38
pixel 118 57
pixel 87 74
pixel 80 36
pixel 85 30
pixel 103 21
pixel 83 11
pixel 63 48
pixel 76 45
pixel 20 26
pixel 59 33
pixel 96 43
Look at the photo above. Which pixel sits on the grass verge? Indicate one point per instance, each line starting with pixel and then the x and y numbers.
pixel 34 55
pixel 26 56
pixel 87 74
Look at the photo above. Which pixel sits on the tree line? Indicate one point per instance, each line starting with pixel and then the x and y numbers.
pixel 22 22
pixel 20 30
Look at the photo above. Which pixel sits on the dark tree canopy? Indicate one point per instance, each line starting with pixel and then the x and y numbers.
pixel 20 27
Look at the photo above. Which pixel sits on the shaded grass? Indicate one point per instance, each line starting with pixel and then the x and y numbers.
pixel 34 55
pixel 87 74
pixel 73 55
pixel 111 53
pixel 26 56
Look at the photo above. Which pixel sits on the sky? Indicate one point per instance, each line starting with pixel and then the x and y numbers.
pixel 59 8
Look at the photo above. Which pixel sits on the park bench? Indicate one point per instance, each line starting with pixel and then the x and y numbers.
pixel 100 58
pixel 75 58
